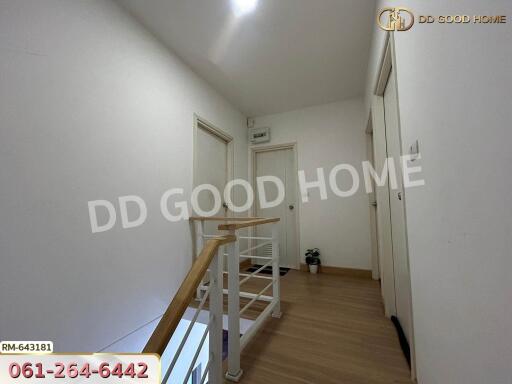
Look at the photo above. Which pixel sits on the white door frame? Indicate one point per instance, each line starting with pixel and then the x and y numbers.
pixel 388 62
pixel 200 123
pixel 254 150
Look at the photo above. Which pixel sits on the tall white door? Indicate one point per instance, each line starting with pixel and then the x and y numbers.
pixel 279 163
pixel 211 156
pixel 397 208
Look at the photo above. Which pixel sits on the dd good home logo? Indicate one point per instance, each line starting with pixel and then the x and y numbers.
pixel 395 19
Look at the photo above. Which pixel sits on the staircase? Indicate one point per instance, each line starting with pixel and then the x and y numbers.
pixel 218 259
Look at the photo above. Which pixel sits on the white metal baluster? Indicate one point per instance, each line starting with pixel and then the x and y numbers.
pixel 199 247
pixel 246 251
pixel 254 274
pixel 196 355
pixel 234 371
pixel 276 273
pixel 216 311
pixel 205 373
pixel 206 294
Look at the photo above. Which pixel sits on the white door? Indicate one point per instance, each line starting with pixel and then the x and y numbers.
pixel 279 163
pixel 211 157
pixel 385 246
pixel 396 201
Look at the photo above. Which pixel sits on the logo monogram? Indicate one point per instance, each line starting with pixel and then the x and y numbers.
pixel 398 19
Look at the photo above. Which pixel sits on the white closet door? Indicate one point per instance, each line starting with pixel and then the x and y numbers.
pixel 397 208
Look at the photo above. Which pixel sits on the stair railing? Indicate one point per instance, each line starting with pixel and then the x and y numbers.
pixel 205 282
pixel 211 256
pixel 234 226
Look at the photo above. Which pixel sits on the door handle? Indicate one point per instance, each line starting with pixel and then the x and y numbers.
pixel 400 196
pixel 373 203
pixel 291 207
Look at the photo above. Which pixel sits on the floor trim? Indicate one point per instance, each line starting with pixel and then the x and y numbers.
pixel 349 272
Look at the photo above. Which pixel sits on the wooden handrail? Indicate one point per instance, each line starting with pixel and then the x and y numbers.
pixel 174 313
pixel 245 224
pixel 223 218
pixel 237 222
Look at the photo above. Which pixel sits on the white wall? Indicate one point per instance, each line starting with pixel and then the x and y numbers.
pixel 92 107
pixel 326 136
pixel 454 86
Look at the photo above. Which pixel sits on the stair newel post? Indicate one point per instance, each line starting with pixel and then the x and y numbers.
pixel 276 275
pixel 216 313
pixel 234 372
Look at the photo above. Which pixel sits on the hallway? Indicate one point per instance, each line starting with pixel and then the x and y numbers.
pixel 332 331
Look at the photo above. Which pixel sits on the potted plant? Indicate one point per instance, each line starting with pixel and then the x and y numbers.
pixel 313 260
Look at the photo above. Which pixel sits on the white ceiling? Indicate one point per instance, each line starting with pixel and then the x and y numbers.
pixel 286 55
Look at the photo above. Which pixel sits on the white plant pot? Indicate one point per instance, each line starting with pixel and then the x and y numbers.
pixel 313 269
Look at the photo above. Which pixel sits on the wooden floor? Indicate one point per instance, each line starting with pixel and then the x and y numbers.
pixel 333 331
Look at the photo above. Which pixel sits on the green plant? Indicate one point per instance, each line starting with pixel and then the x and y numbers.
pixel 313 256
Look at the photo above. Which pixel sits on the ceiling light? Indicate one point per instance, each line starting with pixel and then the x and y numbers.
pixel 243 7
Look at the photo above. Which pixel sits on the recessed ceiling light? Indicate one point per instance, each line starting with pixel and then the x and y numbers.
pixel 243 7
